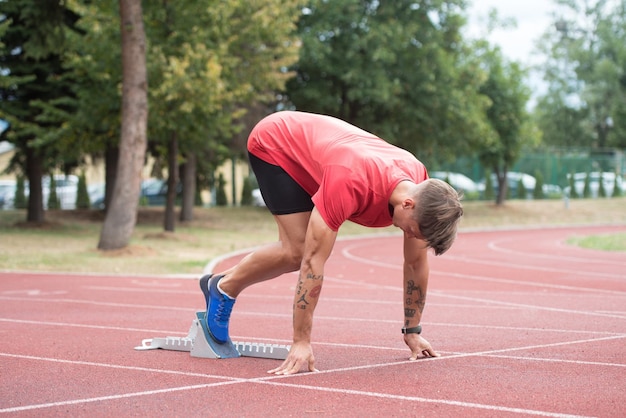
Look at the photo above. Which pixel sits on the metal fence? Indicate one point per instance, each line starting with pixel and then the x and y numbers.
pixel 554 164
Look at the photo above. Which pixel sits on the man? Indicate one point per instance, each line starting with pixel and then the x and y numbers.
pixel 315 172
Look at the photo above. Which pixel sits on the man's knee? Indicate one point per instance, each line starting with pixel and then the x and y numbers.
pixel 293 257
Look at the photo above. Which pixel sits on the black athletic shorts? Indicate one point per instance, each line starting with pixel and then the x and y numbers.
pixel 281 193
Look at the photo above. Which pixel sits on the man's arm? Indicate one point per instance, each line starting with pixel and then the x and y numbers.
pixel 319 243
pixel 416 273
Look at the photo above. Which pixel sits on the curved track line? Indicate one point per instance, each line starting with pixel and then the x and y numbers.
pixel 495 246
pixel 345 252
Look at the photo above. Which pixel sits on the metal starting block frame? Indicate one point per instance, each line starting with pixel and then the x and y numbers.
pixel 199 343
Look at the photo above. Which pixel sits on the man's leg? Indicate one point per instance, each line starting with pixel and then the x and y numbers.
pixel 292 207
pixel 221 289
pixel 271 260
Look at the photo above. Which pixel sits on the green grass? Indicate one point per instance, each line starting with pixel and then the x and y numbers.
pixel 67 241
pixel 612 242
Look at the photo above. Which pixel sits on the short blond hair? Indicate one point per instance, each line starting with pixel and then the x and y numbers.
pixel 437 213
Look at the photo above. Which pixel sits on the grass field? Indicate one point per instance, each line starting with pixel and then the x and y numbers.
pixel 67 241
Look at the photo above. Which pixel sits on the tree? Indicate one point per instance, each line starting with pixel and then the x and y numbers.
pixel 208 64
pixel 34 39
pixel 398 69
pixel 586 72
pixel 121 217
pixel 507 116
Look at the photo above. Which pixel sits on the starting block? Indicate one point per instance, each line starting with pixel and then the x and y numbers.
pixel 199 343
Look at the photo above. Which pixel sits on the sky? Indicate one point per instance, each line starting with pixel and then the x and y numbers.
pixel 533 18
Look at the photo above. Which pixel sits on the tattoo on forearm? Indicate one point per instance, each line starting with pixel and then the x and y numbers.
pixel 418 301
pixel 409 313
pixel 302 302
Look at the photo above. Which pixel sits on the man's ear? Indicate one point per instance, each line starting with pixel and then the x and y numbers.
pixel 408 203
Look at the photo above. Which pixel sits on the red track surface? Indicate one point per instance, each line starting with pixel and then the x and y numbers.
pixel 526 325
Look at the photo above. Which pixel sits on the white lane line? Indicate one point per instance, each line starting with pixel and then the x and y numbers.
pixel 495 246
pixel 112 397
pixel 270 380
pixel 578 272
pixel 328 318
pixel 346 253
pixel 461 404
pixel 118 366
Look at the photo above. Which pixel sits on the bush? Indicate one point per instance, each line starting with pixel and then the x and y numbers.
pixel 220 198
pixel 521 190
pixel 53 201
pixel 246 193
pixel 587 188
pixel 538 191
pixel 19 201
pixel 601 190
pixel 573 194
pixel 82 196
pixel 617 192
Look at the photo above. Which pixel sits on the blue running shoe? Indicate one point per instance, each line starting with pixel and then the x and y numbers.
pixel 218 308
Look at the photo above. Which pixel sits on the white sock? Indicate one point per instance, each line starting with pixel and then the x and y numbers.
pixel 222 292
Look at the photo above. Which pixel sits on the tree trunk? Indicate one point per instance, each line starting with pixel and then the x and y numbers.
pixel 503 185
pixel 189 188
pixel 111 159
pixel 121 216
pixel 34 172
pixel 172 183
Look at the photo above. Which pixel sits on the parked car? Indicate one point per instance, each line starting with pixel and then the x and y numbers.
pixel 528 181
pixel 608 182
pixel 154 192
pixel 7 193
pixel 96 195
pixel 459 181
pixel 66 190
pixel 257 198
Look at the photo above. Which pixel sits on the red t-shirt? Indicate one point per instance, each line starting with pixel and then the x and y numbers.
pixel 350 173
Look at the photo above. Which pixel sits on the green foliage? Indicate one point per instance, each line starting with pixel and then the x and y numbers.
pixel 538 190
pixel 510 124
pixel 38 88
pixel 246 193
pixel 585 102
pixel 82 195
pixel 394 69
pixel 20 194
pixel 220 197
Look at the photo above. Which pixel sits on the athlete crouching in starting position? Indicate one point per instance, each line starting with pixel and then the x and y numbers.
pixel 315 172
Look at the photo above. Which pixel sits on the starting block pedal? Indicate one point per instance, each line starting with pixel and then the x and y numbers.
pixel 199 343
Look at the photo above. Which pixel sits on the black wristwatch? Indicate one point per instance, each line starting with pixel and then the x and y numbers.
pixel 414 330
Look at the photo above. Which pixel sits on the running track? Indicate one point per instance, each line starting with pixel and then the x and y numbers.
pixel 526 325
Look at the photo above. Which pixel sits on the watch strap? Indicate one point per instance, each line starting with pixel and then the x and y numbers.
pixel 414 330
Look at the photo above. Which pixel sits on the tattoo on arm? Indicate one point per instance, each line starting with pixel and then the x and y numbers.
pixel 420 301
pixel 302 302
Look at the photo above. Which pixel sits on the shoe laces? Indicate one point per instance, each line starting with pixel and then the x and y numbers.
pixel 222 314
